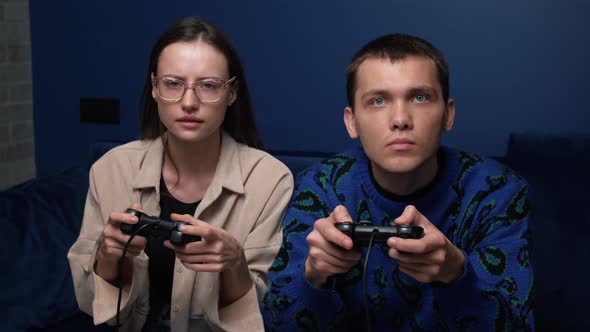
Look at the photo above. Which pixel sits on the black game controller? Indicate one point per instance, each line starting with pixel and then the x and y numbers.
pixel 169 229
pixel 361 233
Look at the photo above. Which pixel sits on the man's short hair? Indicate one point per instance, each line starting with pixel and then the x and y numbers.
pixel 396 47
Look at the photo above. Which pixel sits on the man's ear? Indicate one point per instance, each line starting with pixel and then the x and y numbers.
pixel 350 122
pixel 449 116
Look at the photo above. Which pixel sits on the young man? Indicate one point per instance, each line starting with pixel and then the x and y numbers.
pixel 470 270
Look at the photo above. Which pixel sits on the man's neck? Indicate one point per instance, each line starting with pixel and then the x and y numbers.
pixel 406 184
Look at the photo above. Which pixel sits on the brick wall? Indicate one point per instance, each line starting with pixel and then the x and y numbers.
pixel 17 147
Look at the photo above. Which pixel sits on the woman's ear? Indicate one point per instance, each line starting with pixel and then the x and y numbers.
pixel 233 93
pixel 154 92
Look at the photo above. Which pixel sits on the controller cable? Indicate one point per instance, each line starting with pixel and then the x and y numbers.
pixel 365 295
pixel 120 270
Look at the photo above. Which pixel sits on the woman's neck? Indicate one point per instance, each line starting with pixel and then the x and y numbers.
pixel 189 167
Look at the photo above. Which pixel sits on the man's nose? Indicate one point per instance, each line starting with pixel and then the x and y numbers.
pixel 400 116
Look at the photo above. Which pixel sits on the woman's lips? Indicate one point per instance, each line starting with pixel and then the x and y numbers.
pixel 189 122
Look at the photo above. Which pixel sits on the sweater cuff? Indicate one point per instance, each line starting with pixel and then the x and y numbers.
pixel 321 299
pixel 466 280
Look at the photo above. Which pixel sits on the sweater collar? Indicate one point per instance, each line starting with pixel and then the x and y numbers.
pixel 438 187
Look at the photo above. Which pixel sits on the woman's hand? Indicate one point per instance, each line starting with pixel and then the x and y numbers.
pixel 218 251
pixel 111 246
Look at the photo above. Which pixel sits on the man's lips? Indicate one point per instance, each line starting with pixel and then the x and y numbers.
pixel 401 144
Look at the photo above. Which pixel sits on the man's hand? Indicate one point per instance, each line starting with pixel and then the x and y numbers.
pixel 431 258
pixel 330 251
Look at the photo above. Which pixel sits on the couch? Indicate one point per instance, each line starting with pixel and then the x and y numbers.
pixel 41 219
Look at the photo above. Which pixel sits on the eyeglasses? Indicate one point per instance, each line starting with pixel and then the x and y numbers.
pixel 209 90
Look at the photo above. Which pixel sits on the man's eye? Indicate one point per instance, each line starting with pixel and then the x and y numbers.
pixel 421 98
pixel 379 101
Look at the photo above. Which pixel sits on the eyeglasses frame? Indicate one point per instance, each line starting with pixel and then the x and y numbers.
pixel 186 85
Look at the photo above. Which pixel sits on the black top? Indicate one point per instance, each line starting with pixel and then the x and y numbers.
pixel 161 263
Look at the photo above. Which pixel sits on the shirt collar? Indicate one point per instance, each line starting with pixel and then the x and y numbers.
pixel 150 168
pixel 228 173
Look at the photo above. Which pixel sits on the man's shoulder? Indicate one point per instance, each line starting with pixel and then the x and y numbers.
pixel 472 166
pixel 340 163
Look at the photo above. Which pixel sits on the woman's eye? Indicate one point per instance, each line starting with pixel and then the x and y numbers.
pixel 209 85
pixel 379 101
pixel 173 84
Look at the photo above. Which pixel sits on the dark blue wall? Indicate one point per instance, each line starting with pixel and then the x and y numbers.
pixel 515 65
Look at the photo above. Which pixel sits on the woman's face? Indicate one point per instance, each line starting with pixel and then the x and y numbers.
pixel 200 66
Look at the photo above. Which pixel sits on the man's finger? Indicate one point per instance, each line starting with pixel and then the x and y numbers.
pixel 417 246
pixel 340 214
pixel 410 258
pixel 329 232
pixel 342 260
pixel 408 216
pixel 325 267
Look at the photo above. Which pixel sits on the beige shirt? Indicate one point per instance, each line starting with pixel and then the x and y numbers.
pixel 247 197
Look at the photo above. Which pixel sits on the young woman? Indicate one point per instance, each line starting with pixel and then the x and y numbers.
pixel 197 162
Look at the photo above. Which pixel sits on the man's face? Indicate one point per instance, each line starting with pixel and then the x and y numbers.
pixel 399 114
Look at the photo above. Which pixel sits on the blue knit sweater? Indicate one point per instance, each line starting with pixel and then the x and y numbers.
pixel 480 205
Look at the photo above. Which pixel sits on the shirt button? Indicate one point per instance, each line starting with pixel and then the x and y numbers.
pixel 179 269
pixel 175 308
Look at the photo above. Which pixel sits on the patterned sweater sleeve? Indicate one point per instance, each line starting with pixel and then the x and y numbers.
pixel 292 303
pixel 496 287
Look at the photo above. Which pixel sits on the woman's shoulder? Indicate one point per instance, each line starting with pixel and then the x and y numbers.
pixel 258 161
pixel 130 153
